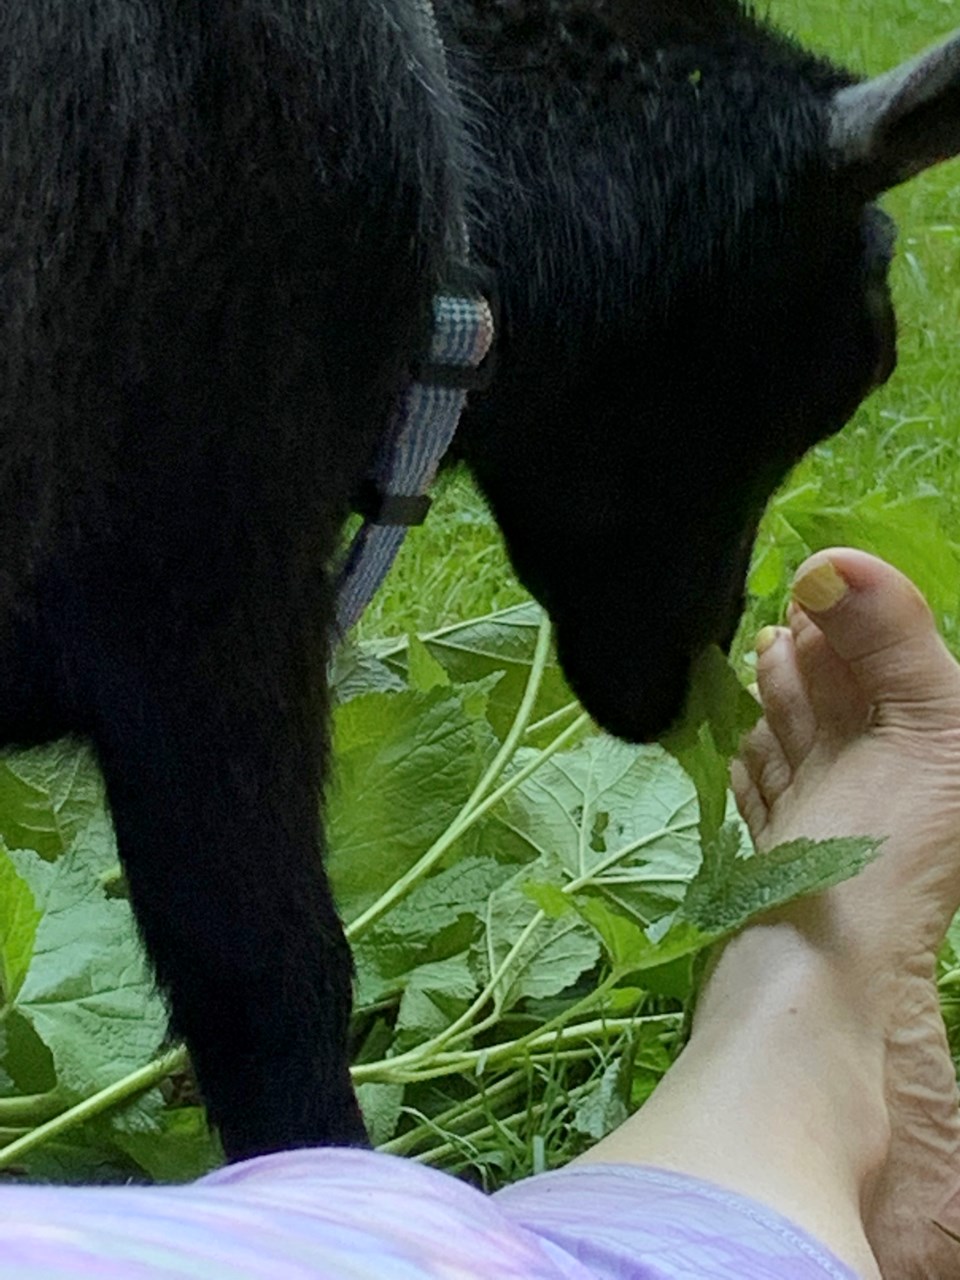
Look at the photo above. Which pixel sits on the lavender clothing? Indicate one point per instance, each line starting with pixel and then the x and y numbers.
pixel 354 1215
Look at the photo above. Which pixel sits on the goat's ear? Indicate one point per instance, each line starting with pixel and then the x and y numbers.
pixel 889 129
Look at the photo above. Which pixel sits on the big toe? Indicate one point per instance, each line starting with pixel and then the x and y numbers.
pixel 878 623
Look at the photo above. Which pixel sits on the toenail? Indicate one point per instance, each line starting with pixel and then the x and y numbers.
pixel 766 639
pixel 821 588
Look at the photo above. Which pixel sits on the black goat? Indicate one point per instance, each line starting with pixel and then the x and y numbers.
pixel 221 227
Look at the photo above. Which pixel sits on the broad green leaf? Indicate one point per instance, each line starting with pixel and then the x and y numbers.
pixel 440 918
pixel 730 890
pixel 604 1107
pixel 47 795
pixel 608 813
pixel 382 1106
pixel 88 993
pixel 424 672
pixel 354 671
pixel 630 948
pixel 498 642
pixel 550 954
pixel 767 571
pixel 435 994
pixel 404 765
pixel 719 711
pixel 177 1146
pixel 19 916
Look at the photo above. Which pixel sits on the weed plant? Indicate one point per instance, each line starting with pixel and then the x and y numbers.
pixel 528 900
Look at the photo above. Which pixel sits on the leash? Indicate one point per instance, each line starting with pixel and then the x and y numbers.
pixel 395 493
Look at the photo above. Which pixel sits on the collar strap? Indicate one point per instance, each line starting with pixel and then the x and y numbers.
pixel 395 493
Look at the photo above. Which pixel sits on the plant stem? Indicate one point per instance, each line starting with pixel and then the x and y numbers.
pixel 24 1112
pixel 113 1095
pixel 476 806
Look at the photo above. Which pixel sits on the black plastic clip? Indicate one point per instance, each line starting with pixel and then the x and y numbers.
pixel 391 508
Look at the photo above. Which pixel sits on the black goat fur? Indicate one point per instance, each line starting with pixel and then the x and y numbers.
pixel 221 225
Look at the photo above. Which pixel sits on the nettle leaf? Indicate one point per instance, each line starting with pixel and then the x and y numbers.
pixel 353 672
pixel 19 917
pixel 47 795
pixel 424 672
pixel 88 993
pixel 607 814
pixel 382 1107
pixel 502 642
pixel 434 996
pixel 730 890
pixel 604 1107
pixel 718 712
pixel 424 926
pixel 630 948
pixel 551 956
pixel 404 765
pixel 178 1148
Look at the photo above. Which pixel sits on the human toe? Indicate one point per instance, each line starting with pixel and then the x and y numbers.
pixel 877 623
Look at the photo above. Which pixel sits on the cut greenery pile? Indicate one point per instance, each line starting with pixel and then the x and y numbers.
pixel 526 899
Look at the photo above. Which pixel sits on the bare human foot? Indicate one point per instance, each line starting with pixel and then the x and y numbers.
pixel 861 736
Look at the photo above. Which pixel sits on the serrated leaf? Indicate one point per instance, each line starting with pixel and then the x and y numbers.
pixel 404 765
pixel 604 1107
pixel 731 890
pixel 607 812
pixel 551 957
pixel 434 995
pixel 19 917
pixel 47 795
pixel 424 672
pixel 382 1106
pixel 354 672
pixel 501 642
pixel 88 993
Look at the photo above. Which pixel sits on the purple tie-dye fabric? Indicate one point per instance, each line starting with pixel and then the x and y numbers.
pixel 353 1215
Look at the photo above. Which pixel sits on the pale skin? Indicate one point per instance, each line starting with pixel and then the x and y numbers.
pixel 817 1078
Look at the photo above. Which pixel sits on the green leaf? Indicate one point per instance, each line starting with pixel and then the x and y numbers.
pixel 719 711
pixel 502 642
pixel 608 813
pixel 434 996
pixel 88 993
pixel 176 1146
pixel 730 890
pixel 604 1108
pixel 424 672
pixel 48 795
pixel 630 948
pixel 382 1106
pixel 404 766
pixel 551 957
pixel 441 917
pixel 354 671
pixel 19 917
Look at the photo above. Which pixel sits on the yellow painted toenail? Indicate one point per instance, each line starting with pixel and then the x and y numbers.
pixel 766 639
pixel 754 691
pixel 821 588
